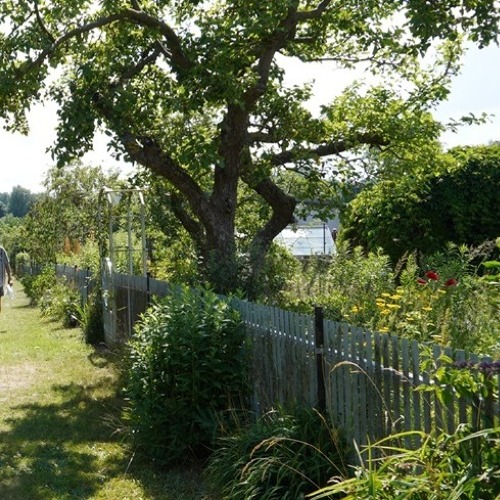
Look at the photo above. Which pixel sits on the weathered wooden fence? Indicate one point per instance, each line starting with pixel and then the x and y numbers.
pixel 367 381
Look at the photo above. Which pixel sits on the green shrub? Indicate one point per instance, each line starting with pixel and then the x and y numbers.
pixel 345 286
pixel 21 263
pixel 188 366
pixel 61 302
pixel 284 455
pixel 90 319
pixel 36 285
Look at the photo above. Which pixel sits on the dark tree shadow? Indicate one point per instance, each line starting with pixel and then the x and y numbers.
pixel 39 455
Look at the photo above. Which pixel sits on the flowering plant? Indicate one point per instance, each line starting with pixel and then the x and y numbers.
pixel 421 309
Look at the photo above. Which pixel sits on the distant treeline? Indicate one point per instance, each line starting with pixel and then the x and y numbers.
pixel 17 202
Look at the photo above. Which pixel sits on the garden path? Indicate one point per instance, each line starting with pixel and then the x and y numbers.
pixel 60 418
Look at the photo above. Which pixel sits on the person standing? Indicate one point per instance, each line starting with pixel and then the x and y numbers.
pixel 5 270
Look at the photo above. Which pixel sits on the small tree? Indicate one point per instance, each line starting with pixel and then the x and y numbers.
pixel 65 216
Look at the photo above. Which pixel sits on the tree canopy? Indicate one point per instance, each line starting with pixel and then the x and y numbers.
pixel 194 91
pixel 65 216
pixel 458 204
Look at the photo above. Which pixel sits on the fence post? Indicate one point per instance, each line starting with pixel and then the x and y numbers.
pixel 319 334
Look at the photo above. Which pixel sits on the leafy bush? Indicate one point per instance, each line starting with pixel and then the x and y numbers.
pixel 424 212
pixel 36 285
pixel 188 366
pixel 61 302
pixel 90 319
pixel 284 455
pixel 21 263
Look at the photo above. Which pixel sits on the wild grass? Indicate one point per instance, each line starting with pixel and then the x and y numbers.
pixel 59 415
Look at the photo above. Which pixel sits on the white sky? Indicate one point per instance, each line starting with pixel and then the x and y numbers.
pixel 477 89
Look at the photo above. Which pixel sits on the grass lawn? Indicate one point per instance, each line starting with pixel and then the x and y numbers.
pixel 59 414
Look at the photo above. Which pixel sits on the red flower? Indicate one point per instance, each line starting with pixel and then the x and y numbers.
pixel 421 281
pixel 451 282
pixel 432 275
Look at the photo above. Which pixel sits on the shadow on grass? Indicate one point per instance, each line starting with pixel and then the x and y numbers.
pixel 19 305
pixel 49 451
pixel 69 449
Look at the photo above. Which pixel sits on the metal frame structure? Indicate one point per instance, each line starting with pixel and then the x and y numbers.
pixel 111 208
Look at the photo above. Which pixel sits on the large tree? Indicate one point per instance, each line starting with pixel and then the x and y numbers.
pixel 194 92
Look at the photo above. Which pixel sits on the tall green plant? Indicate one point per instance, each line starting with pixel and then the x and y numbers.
pixel 36 285
pixel 188 366
pixel 438 470
pixel 285 454
pixel 345 286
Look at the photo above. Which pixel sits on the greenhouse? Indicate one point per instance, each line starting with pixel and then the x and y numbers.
pixel 308 240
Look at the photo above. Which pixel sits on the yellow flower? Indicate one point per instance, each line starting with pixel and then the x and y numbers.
pixel 427 308
pixel 385 294
pixel 384 329
pixel 396 296
pixel 385 312
pixel 394 306
pixel 355 309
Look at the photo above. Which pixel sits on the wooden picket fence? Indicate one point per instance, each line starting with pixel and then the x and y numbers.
pixel 371 384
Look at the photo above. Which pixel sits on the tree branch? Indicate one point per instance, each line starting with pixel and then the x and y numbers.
pixel 191 225
pixel 316 13
pixel 282 205
pixel 42 24
pixel 148 153
pixel 333 148
pixel 177 56
pixel 284 32
pixel 146 59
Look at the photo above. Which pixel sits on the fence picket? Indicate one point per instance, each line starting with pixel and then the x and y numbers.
pixel 438 407
pixel 462 401
pixel 405 367
pixel 386 377
pixel 354 384
pixel 362 386
pixel 379 389
pixel 346 379
pixel 475 410
pixel 396 384
pixel 417 400
pixel 451 400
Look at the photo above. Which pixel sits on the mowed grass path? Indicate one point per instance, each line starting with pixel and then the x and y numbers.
pixel 60 411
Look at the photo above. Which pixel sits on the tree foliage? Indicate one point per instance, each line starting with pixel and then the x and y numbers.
pixel 425 212
pixel 65 216
pixel 20 201
pixel 195 93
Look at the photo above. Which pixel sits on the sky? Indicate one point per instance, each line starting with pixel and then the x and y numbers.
pixel 476 90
